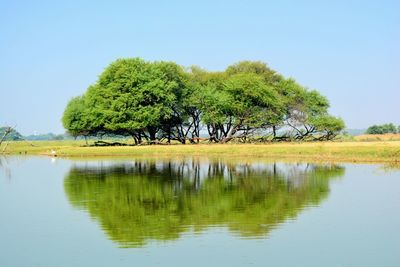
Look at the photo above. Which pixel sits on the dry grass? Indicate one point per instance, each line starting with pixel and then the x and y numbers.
pixel 371 151
pixel 377 137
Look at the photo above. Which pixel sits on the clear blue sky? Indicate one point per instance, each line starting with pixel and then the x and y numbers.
pixel 51 51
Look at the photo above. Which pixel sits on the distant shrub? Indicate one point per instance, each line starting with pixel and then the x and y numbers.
pixel 382 129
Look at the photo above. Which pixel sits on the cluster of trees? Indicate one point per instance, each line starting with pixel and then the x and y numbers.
pixel 383 129
pixel 10 134
pixel 48 136
pixel 157 101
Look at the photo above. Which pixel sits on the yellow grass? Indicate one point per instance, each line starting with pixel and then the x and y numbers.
pixel 371 151
pixel 377 137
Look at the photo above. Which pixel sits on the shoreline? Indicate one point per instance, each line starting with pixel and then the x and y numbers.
pixel 362 152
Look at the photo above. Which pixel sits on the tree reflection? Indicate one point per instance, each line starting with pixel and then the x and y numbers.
pixel 159 200
pixel 5 166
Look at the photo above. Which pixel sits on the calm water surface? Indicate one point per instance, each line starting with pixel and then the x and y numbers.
pixel 197 212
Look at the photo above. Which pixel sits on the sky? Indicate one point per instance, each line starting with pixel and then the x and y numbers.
pixel 51 51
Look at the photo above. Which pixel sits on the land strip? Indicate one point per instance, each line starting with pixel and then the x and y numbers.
pixel 380 151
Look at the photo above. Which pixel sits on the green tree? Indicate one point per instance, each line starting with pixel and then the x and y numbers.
pixel 327 126
pixel 208 102
pixel 306 112
pixel 75 118
pixel 374 129
pixel 239 101
pixel 382 129
pixel 134 97
pixel 389 128
pixel 253 104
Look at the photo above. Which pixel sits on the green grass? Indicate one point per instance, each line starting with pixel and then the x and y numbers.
pixel 378 151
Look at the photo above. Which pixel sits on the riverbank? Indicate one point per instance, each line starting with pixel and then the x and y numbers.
pixel 321 151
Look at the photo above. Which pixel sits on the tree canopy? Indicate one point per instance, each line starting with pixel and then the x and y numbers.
pixel 383 129
pixel 160 100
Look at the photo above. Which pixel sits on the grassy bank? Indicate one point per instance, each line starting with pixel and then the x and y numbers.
pixel 377 137
pixel 321 151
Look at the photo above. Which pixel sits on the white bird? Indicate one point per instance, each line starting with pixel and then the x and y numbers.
pixel 53 153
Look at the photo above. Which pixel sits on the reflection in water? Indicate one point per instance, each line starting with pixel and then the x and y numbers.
pixel 144 200
pixel 4 165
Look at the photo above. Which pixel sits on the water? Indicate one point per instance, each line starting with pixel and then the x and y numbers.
pixel 197 212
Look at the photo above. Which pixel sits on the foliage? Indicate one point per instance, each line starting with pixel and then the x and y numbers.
pixel 154 101
pixel 134 97
pixel 75 117
pixel 383 129
pixel 327 125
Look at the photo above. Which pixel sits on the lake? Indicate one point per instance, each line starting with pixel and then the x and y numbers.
pixel 197 212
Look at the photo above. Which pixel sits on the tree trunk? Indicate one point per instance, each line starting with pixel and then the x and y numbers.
pixel 135 139
pixel 5 147
pixel 152 133
pixel 230 134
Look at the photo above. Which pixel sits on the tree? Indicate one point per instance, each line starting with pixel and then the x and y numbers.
pixel 9 134
pixel 382 129
pixel 240 101
pixel 389 128
pixel 216 107
pixel 134 97
pixel 76 118
pixel 253 104
pixel 327 126
pixel 306 113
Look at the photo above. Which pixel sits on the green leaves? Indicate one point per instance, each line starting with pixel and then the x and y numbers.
pixel 160 99
pixel 135 94
pixel 383 129
pixel 75 117
pixel 327 125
